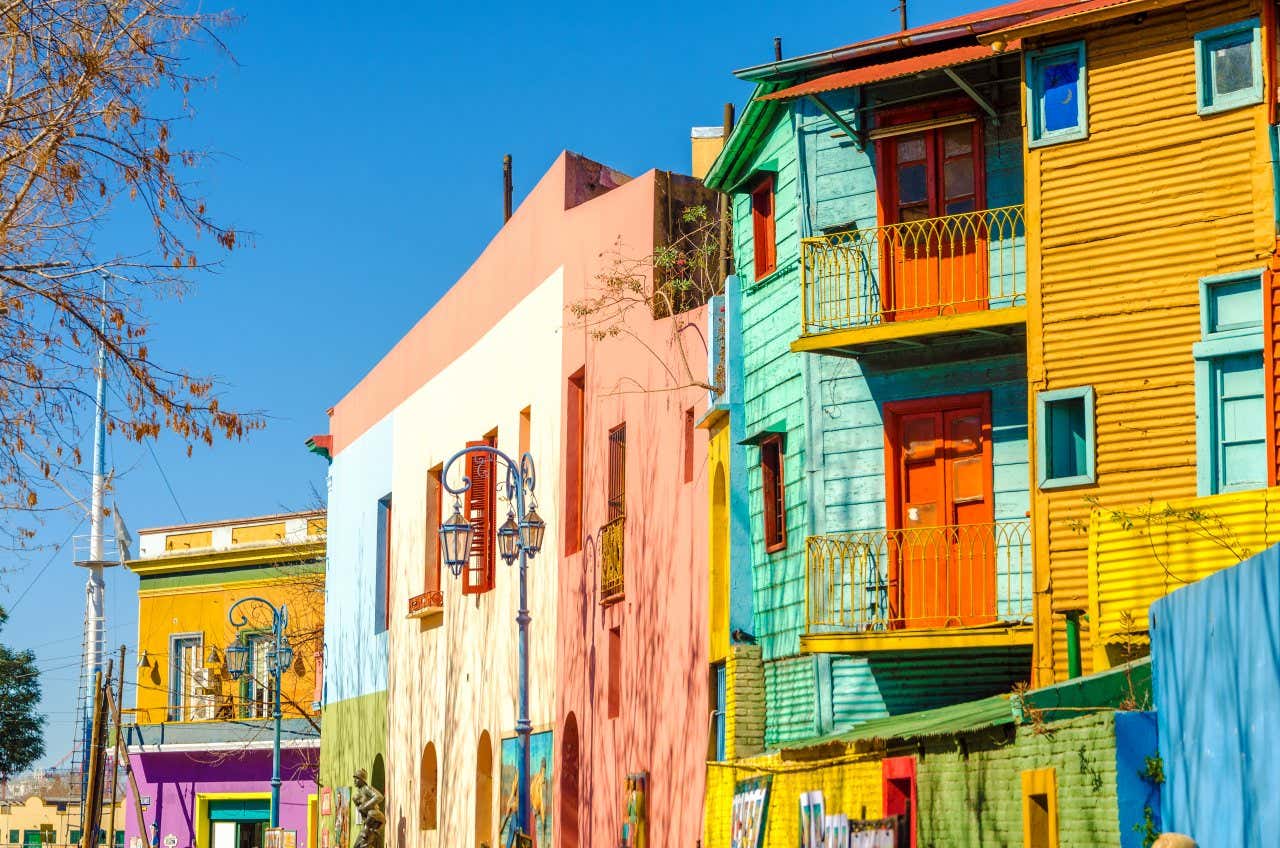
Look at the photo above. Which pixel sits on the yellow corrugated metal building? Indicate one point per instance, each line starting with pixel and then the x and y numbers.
pixel 1126 214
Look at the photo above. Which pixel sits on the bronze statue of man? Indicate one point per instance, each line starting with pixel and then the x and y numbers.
pixel 369 806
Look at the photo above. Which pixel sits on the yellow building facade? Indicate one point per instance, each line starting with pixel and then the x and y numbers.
pixel 190 576
pixel 51 820
pixel 1140 206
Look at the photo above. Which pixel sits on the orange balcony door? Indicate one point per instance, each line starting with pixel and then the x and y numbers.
pixel 935 263
pixel 941 512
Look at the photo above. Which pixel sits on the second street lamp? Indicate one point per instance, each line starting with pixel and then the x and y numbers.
pixel 519 538
pixel 278 659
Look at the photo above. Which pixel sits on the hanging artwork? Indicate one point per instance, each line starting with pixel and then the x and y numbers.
pixel 341 816
pixel 635 811
pixel 326 801
pixel 750 808
pixel 813 820
pixel 818 829
pixel 541 779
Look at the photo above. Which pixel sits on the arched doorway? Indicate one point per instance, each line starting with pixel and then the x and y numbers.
pixel 719 588
pixel 484 791
pixel 569 783
pixel 430 782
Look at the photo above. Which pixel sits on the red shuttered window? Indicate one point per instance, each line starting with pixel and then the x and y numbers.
pixel 481 510
pixel 575 418
pixel 763 231
pixel 617 472
pixel 773 490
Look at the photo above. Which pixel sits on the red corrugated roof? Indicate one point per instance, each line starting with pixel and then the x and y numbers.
pixel 975 23
pixel 884 71
pixel 1079 7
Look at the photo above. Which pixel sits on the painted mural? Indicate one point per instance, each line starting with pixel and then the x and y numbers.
pixel 541 780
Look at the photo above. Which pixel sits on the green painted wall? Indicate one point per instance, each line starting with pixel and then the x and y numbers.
pixel 221 576
pixel 773 398
pixel 353 734
pixel 974 797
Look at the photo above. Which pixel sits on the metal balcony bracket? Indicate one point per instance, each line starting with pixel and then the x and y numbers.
pixel 963 85
pixel 845 126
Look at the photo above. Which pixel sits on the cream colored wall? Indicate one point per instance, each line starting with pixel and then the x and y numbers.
pixel 452 679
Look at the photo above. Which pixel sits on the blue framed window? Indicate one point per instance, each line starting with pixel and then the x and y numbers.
pixel 1065 449
pixel 719 710
pixel 1231 419
pixel 1229 67
pixel 1057 95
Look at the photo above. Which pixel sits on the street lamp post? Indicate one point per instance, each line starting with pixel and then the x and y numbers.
pixel 520 537
pixel 279 658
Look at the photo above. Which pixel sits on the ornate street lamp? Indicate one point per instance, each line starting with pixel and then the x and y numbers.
pixel 279 658
pixel 455 540
pixel 519 538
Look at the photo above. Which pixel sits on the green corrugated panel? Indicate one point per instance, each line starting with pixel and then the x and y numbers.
pixel 790 688
pixel 246 809
pixel 944 721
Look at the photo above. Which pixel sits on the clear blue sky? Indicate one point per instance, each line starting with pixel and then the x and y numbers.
pixel 363 146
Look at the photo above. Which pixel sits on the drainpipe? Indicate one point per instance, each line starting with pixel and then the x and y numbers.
pixel 1073 642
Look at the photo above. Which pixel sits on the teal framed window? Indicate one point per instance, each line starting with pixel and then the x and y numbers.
pixel 186 658
pixel 75 837
pixel 1057 95
pixel 1231 418
pixel 1229 67
pixel 1065 449
pixel 257 687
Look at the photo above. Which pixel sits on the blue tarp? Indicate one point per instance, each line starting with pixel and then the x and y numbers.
pixel 1216 663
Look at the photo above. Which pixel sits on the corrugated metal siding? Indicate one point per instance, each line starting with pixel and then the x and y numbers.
pixel 791 698
pixel 1272 283
pixel 1130 219
pixel 864 688
pixel 1135 561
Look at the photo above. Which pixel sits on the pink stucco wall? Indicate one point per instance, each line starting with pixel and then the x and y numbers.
pixel 662 726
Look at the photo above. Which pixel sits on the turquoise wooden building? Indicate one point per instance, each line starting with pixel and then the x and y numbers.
pixel 879 239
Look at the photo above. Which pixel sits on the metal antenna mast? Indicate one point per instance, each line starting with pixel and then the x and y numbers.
pixel 91 554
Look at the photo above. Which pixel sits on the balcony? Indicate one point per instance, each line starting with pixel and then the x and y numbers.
pixel 427 605
pixel 958 586
pixel 958 278
pixel 612 584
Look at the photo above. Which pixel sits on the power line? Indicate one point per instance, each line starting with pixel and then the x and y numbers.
pixel 45 567
pixel 151 450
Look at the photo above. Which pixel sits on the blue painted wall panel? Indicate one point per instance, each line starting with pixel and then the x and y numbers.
pixel 355 655
pixel 1136 740
pixel 1216 680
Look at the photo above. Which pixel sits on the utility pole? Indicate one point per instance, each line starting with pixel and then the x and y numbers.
pixel 726 255
pixel 122 756
pixel 91 815
pixel 115 771
pixel 902 14
pixel 506 188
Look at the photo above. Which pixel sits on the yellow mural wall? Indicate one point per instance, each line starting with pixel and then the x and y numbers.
pixel 1138 557
pixel 185 592
pixel 1121 227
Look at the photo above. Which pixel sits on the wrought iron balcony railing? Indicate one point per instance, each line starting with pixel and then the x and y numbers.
pixel 426 603
pixel 919 269
pixel 967 575
pixel 612 581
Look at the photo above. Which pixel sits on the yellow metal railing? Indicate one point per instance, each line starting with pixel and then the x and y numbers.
pixel 611 559
pixel 918 269
pixel 967 575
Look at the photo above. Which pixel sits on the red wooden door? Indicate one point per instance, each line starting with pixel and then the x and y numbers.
pixel 941 538
pixel 935 258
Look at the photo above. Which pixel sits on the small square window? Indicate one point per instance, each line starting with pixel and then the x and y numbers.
pixel 1064 440
pixel 1229 67
pixel 1056 95
pixel 1231 304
